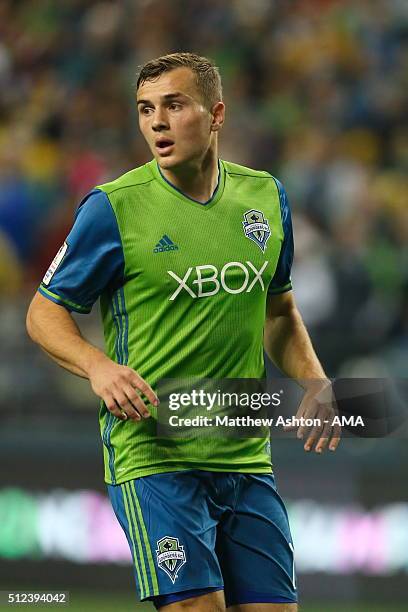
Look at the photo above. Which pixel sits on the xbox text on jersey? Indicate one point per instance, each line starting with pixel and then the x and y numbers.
pixel 217 280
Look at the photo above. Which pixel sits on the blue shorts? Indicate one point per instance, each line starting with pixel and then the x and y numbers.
pixel 192 532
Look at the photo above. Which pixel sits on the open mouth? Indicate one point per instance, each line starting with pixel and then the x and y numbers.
pixel 164 145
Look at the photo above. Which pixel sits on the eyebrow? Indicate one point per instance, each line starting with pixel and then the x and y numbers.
pixel 169 96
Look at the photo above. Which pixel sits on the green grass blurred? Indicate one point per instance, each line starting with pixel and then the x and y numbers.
pixel 99 602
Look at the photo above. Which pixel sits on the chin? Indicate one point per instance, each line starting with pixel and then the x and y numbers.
pixel 168 163
pixel 165 162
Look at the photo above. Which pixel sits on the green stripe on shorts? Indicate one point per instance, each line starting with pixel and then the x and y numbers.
pixel 131 530
pixel 147 544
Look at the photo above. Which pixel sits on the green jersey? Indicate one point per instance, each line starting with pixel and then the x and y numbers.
pixel 182 288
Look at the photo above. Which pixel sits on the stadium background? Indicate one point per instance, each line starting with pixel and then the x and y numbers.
pixel 316 93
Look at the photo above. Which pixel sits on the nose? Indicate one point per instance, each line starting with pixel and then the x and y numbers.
pixel 160 121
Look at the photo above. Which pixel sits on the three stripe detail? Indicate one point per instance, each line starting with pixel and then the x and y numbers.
pixel 141 550
pixel 121 322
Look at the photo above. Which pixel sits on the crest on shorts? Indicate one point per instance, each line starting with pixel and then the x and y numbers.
pixel 170 556
pixel 256 228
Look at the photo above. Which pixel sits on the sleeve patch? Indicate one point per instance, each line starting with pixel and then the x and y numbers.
pixel 54 264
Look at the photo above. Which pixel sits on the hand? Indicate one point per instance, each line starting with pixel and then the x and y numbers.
pixel 118 386
pixel 318 403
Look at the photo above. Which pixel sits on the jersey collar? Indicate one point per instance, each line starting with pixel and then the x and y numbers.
pixel 218 191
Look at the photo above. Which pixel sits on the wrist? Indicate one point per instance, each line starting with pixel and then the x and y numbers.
pixel 94 359
pixel 314 385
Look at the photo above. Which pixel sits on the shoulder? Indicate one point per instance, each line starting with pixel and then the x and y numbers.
pixel 237 170
pixel 256 181
pixel 133 178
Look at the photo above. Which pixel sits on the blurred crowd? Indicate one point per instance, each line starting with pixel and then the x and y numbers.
pixel 316 93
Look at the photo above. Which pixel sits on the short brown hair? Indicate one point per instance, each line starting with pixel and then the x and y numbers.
pixel 207 74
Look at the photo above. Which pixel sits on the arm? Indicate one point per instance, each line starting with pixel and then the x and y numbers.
pixel 287 342
pixel 90 261
pixel 53 328
pixel 288 345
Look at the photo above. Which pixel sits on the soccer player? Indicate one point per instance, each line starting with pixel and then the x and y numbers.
pixel 190 256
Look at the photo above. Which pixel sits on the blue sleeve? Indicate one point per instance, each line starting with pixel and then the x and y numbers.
pixel 281 280
pixel 91 259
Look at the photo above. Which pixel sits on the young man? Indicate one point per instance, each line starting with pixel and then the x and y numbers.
pixel 187 253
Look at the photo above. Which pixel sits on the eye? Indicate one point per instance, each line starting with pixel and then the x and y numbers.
pixel 175 106
pixel 145 110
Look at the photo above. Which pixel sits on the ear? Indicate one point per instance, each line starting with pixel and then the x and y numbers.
pixel 218 116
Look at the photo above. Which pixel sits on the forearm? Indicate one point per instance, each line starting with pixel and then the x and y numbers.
pixel 288 345
pixel 72 364
pixel 119 386
pixel 55 331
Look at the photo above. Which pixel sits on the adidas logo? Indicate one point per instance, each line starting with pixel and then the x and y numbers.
pixel 165 244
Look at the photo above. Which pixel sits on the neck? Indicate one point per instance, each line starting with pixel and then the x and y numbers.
pixel 197 179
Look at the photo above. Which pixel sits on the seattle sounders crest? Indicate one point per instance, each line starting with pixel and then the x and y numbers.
pixel 170 556
pixel 256 228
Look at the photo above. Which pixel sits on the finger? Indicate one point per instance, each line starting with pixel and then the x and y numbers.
pixel 321 445
pixel 139 383
pixel 310 412
pixel 335 441
pixel 312 438
pixel 125 406
pixel 303 429
pixel 112 406
pixel 324 438
pixel 314 434
pixel 136 401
